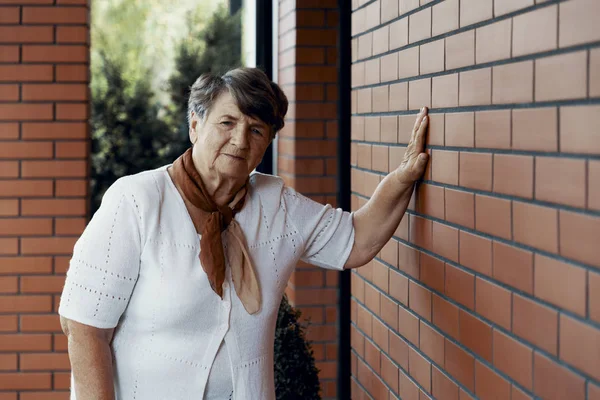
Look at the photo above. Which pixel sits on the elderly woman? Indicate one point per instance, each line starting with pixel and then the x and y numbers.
pixel 174 286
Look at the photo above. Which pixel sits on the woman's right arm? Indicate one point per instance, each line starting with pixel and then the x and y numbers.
pixel 91 360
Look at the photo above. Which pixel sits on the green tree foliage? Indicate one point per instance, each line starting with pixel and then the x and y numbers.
pixel 127 134
pixel 296 376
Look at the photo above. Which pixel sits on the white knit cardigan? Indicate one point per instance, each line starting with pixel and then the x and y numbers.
pixel 136 268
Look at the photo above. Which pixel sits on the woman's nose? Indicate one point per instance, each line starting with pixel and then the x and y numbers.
pixel 239 136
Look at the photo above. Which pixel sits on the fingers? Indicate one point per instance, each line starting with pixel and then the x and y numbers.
pixel 418 122
pixel 420 136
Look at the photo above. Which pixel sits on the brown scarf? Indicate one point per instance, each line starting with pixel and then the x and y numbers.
pixel 210 221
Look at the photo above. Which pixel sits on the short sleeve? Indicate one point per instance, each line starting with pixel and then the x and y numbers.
pixel 328 233
pixel 105 263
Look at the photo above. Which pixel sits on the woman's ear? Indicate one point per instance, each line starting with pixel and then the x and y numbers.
pixel 193 126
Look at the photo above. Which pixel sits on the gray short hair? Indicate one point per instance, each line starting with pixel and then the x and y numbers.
pixel 254 93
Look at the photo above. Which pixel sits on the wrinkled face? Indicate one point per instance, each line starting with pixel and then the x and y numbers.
pixel 228 143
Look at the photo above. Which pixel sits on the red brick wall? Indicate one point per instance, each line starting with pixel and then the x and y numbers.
pixel 307 154
pixel 43 185
pixel 490 287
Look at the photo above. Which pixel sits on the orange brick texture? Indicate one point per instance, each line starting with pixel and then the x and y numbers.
pixel 307 155
pixel 490 287
pixel 44 140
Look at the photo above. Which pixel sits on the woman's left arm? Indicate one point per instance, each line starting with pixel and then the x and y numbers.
pixel 376 221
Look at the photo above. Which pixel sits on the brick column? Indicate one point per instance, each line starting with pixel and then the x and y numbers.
pixel 490 288
pixel 307 154
pixel 44 76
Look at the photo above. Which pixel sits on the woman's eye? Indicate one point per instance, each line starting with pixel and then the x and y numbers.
pixel 256 131
pixel 226 123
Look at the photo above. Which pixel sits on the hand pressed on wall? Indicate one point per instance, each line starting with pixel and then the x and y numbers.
pixel 415 159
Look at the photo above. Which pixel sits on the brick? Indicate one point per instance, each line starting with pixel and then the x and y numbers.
pixel 535 129
pixel 389 132
pixel 25 150
pixel 476 253
pixel 492 129
pixel 569 174
pixel 473 11
pixel 432 56
pixel 430 200
pixel 9 169
pixel 490 385
pixel 419 300
pixel 408 5
pixel 408 259
pixel 464 395
pixel 419 25
pixel 399 287
pixel 365 46
pixel 593 391
pixel 77 149
pixel 25 342
pixel 408 389
pixel 42 284
pixel 24 380
pixel 514 359
pixel 493 302
pixel 578 22
pixel 419 369
pixel 579 345
pixel 535 323
pixel 408 325
pixel 475 334
pixel 53 207
pixel 476 170
pixel 41 361
pixel 26 226
pixel 72 34
pixel 25 73
pixel 25 265
pixel 54 92
pixel 71 187
pixel 22 112
pixel 460 129
pixel 594 296
pixel 460 208
pixel 25 188
pixel 460 49
pixel 408 62
pixel 26 34
pixel 435 135
pixel 399 34
pixel 72 73
pixel 381 99
pixel 398 350
pixel 535 31
pixel 10 15
pixel 445 17
pixel 445 316
pixel 9 53
pixel 579 128
pixel 475 87
pixel 421 232
pixel 40 323
pixel 513 175
pixel 441 386
pixel 381 38
pixel 380 158
pixel 502 7
pixel 41 246
pixel 594 78
pixel 398 96
pixel 578 234
pixel 460 365
pixel 493 216
pixel 445 241
pixel 9 92
pixel 372 71
pixel 432 344
pixel 535 226
pixel 513 83
pixel 9 207
pixel 389 67
pixel 364 100
pixel 8 362
pixel 55 130
pixel 57 53
pixel 554 382
pixel 9 284
pixel 9 130
pixel 389 373
pixel 445 91
pixel 552 82
pixel 460 286
pixel 513 266
pixel 54 395
pixel 419 94
pixel 55 15
pixel 493 42
pixel 406 125
pixel 373 356
pixel 9 246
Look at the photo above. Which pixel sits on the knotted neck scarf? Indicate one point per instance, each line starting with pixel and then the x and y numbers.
pixel 214 223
